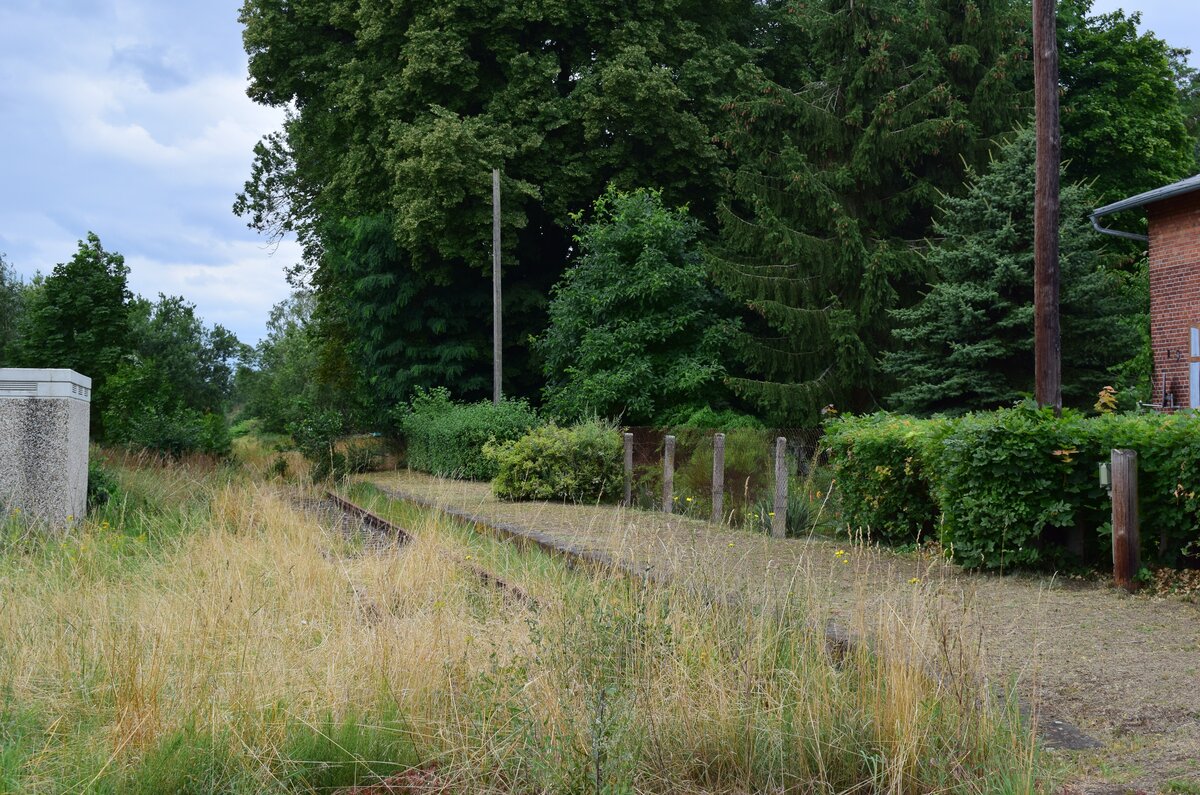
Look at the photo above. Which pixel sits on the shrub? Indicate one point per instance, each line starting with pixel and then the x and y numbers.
pixel 447 439
pixel 316 434
pixel 878 465
pixel 799 522
pixel 1010 483
pixel 101 485
pixel 175 433
pixel 580 463
pixel 1013 485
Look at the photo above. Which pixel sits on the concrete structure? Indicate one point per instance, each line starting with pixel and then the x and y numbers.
pixel 1173 213
pixel 44 422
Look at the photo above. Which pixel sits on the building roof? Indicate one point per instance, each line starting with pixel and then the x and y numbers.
pixel 1189 185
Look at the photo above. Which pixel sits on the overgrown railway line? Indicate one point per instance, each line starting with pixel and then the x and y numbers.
pixel 377 525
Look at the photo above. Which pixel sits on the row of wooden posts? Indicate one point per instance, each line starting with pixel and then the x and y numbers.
pixel 1121 477
pixel 779 512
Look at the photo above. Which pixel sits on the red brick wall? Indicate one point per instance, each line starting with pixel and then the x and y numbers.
pixel 1174 291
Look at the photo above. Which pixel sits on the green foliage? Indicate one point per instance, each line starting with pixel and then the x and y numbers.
pixel 800 519
pixel 578 463
pixel 447 439
pixel 13 297
pixel 968 343
pixel 1009 481
pixel 316 434
pixel 1124 123
pixel 402 109
pixel 861 116
pixel 707 418
pixel 1012 485
pixel 145 409
pixel 194 363
pixel 78 319
pixel 634 330
pixel 102 485
pixel 878 465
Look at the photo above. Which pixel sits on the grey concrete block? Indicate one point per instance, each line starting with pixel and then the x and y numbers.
pixel 44 424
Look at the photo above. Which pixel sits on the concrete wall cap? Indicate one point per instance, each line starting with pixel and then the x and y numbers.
pixel 29 382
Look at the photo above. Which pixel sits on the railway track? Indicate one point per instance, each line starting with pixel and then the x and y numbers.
pixel 377 524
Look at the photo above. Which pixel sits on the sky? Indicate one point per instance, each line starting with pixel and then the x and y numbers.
pixel 129 118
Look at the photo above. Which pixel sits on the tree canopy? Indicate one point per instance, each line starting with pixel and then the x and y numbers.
pixel 841 159
pixel 401 109
pixel 1125 118
pixel 967 344
pixel 634 325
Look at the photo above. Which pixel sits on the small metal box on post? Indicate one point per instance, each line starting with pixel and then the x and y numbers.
pixel 1122 483
pixel 628 501
pixel 44 425
pixel 718 479
pixel 779 520
pixel 668 474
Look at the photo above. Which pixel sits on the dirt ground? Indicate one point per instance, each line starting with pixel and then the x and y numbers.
pixel 1124 669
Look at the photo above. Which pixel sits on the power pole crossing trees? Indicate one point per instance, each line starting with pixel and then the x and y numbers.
pixel 497 333
pixel 1047 337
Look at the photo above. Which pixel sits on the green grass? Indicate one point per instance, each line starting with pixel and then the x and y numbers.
pixel 200 635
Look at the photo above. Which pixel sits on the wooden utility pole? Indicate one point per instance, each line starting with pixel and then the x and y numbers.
pixel 497 335
pixel 1047 341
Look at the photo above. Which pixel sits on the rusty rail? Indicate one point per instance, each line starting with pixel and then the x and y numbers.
pixel 404 537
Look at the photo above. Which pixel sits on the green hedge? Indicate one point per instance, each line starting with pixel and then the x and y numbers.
pixel 580 463
pixel 879 470
pixel 447 439
pixel 1012 484
pixel 1008 488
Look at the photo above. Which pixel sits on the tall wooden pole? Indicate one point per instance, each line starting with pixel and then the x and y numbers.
pixel 1046 338
pixel 497 335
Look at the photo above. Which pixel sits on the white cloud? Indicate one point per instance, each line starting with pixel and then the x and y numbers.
pixel 237 290
pixel 129 118
pixel 204 131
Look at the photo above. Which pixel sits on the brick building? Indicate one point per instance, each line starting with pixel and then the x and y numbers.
pixel 1173 213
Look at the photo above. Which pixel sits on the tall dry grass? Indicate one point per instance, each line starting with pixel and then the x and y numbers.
pixel 243 647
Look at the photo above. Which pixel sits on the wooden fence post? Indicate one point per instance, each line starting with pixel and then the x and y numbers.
pixel 668 473
pixel 779 520
pixel 628 470
pixel 718 479
pixel 1126 534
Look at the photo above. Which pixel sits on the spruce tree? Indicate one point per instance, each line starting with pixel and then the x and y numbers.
pixel 968 343
pixel 841 159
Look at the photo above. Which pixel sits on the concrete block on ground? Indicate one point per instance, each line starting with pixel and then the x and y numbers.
pixel 44 425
